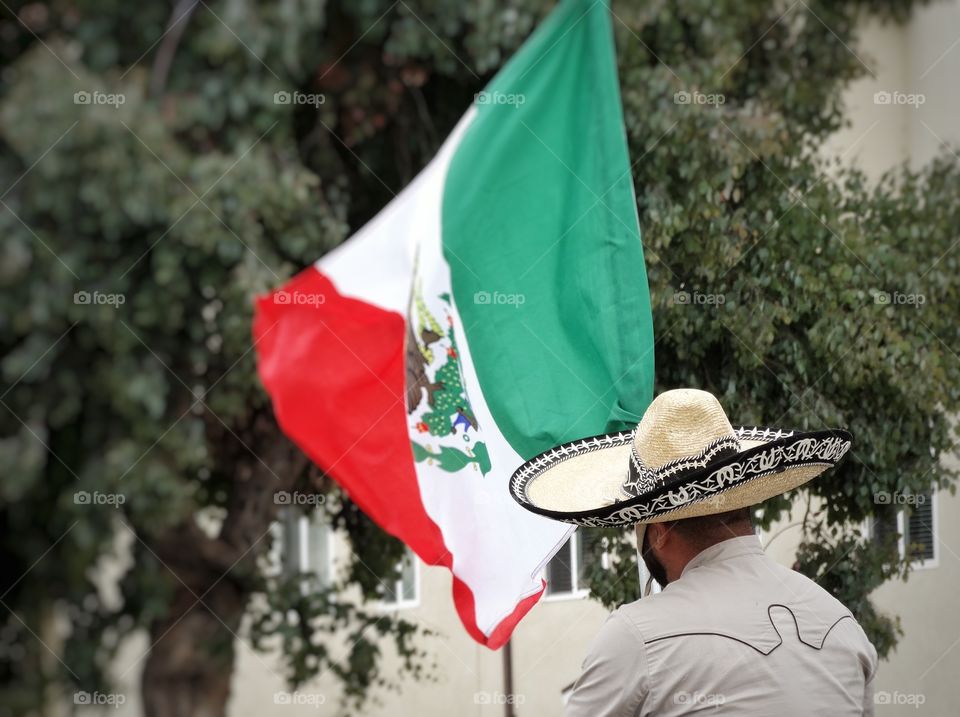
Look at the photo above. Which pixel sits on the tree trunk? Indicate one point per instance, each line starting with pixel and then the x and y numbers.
pixel 189 670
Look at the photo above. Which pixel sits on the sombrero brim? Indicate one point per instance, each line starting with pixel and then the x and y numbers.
pixel 580 482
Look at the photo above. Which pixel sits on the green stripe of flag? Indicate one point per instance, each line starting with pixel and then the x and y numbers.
pixel 540 231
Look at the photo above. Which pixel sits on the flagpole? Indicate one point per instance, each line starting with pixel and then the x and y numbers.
pixel 640 532
pixel 508 680
pixel 639 573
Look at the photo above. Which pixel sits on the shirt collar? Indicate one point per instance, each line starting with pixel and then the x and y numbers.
pixel 724 550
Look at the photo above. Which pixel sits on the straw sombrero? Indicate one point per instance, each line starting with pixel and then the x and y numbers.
pixel 683 460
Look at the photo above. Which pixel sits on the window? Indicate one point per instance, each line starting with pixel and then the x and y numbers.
pixel 306 545
pixel 921 537
pixel 914 529
pixel 566 573
pixel 405 590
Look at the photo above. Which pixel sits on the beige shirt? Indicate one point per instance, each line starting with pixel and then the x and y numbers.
pixel 736 634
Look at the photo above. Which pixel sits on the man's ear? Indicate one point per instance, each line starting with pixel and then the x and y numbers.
pixel 659 534
pixel 655 534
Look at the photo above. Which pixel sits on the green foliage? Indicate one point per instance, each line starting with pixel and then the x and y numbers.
pixel 619 581
pixel 307 617
pixel 200 191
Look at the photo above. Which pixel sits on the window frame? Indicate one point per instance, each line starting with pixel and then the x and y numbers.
pixel 578 593
pixel 902 537
pixel 403 603
pixel 923 563
pixel 304 523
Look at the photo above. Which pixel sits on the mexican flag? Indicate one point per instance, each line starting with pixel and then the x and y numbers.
pixel 498 306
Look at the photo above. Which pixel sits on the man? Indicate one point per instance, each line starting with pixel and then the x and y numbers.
pixel 732 631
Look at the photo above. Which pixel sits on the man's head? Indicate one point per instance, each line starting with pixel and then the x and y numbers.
pixel 666 548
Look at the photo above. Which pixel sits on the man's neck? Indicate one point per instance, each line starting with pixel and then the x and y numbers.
pixel 692 550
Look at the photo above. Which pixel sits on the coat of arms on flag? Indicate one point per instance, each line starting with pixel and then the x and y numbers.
pixel 444 428
pixel 496 307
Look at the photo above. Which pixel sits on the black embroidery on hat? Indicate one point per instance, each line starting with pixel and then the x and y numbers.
pixel 642 479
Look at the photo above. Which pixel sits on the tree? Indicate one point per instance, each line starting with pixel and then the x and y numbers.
pixel 166 164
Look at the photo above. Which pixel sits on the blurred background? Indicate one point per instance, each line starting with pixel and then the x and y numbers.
pixel 166 551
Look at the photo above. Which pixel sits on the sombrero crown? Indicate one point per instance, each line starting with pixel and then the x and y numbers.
pixel 684 459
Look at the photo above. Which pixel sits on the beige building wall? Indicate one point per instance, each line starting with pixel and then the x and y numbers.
pixel 549 644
